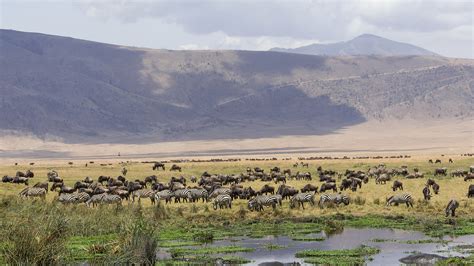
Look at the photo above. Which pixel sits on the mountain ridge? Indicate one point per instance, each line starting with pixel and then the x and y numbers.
pixel 79 91
pixel 365 44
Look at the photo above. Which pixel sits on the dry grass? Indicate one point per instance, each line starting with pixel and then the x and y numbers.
pixel 373 195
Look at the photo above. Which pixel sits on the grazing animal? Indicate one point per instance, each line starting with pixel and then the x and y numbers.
pixel 470 191
pixel 68 198
pixel 103 179
pixel 426 193
pixel 164 194
pixel 470 176
pixel 7 179
pixel 451 160
pixel 334 199
pixel 157 166
pixel 451 208
pixel 328 186
pixel 266 189
pixel 20 180
pixel 435 188
pixel 441 171
pixel 124 171
pixel 88 180
pixel 198 193
pixel 345 184
pixel 33 192
pixel 438 161
pixel 308 188
pixel 175 167
pixel 219 191
pixel 397 185
pixel 260 201
pixel 403 198
pixel 42 185
pixel 383 178
pixel 222 201
pixel 193 179
pixel 280 178
pixel 144 193
pixel 151 179
pixel 286 191
pixel 301 198
pixel 430 161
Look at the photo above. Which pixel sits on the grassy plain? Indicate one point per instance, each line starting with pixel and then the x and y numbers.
pixel 96 233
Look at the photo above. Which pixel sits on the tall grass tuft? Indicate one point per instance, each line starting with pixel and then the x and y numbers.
pixel 36 238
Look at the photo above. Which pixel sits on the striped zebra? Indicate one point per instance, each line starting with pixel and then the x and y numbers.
pixel 95 199
pixel 33 192
pixel 301 198
pixel 111 199
pixel 451 208
pixel 334 199
pixel 164 194
pixel 144 193
pixel 276 197
pixel 198 193
pixel 260 201
pixel 68 198
pixel 181 194
pixel 403 198
pixel 223 201
pixel 219 191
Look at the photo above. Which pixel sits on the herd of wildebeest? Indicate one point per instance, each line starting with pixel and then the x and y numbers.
pixel 222 189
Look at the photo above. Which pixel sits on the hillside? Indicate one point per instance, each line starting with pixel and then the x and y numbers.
pixel 86 91
pixel 366 44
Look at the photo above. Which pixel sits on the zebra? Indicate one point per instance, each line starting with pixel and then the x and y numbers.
pixel 276 197
pixel 68 198
pixel 451 208
pixel 301 198
pixel 181 194
pixel 219 191
pixel 164 194
pixel 426 193
pixel 95 199
pixel 33 192
pixel 198 193
pixel 144 193
pixel 223 201
pixel 335 199
pixel 111 198
pixel 403 198
pixel 259 201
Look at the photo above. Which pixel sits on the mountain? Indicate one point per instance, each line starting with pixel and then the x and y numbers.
pixel 366 44
pixel 79 90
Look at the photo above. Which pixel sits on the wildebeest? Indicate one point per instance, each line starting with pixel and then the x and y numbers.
pixel 7 179
pixel 438 161
pixel 20 180
pixel 286 191
pixel 451 160
pixel 426 193
pixel 151 179
pixel 88 180
pixel 435 188
pixel 441 171
pixel 103 179
pixel 470 176
pixel 42 185
pixel 470 191
pixel 280 178
pixel 266 189
pixel 309 187
pixel 451 208
pixel 158 165
pixel 345 184
pixel 397 185
pixel 27 174
pixel 175 167
pixel 328 186
pixel 383 178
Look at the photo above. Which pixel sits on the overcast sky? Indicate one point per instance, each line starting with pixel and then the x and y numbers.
pixel 442 26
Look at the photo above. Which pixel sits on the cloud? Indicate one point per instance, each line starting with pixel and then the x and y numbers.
pixel 305 19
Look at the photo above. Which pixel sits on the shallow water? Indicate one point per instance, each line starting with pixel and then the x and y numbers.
pixel 391 250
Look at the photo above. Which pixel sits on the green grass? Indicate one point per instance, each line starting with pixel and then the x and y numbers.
pixel 179 252
pixel 307 238
pixel 273 246
pixel 338 257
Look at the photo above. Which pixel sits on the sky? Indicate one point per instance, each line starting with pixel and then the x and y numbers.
pixel 442 26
